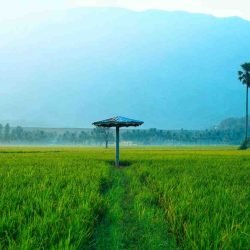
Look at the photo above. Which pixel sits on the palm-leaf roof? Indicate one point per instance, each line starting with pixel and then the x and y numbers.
pixel 118 121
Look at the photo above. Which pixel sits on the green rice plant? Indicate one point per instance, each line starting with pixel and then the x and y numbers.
pixel 163 198
pixel 205 198
pixel 49 201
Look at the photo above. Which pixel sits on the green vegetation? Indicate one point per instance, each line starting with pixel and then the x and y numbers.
pixel 230 131
pixel 244 77
pixel 163 198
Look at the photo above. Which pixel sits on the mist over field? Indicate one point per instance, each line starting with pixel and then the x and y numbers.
pixel 170 69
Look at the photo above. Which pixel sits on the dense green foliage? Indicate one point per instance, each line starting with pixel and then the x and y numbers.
pixel 230 131
pixel 162 198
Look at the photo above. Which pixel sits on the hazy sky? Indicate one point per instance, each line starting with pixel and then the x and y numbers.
pixel 16 8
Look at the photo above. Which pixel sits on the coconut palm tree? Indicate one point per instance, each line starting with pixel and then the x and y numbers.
pixel 244 77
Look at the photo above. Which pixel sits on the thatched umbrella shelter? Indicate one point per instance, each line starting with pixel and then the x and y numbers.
pixel 118 122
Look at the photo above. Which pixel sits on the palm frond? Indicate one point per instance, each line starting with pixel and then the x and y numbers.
pixel 246 67
pixel 241 78
pixel 240 73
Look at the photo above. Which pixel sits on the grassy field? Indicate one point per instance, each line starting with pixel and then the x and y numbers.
pixel 162 198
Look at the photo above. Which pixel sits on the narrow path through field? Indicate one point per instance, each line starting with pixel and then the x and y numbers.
pixel 113 230
pixel 131 220
pixel 131 231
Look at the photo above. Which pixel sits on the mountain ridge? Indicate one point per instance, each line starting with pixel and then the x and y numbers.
pixel 172 70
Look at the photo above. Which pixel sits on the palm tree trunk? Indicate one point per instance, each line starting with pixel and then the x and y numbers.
pixel 247 114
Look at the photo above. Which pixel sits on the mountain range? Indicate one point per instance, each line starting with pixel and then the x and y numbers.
pixel 170 69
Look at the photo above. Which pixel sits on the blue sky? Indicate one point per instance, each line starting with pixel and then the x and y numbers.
pixel 16 8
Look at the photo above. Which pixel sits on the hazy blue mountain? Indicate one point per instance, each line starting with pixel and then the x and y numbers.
pixel 170 69
pixel 233 124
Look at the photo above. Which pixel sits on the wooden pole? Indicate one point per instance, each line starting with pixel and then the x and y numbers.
pixel 117 146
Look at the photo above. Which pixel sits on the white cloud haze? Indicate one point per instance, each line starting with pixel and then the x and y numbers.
pixel 16 8
pixel 215 7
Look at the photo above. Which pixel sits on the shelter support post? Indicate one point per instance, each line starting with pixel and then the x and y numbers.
pixel 117 146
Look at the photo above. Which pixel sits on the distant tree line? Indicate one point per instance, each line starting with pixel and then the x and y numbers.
pixel 19 135
pixel 171 137
pixel 230 131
